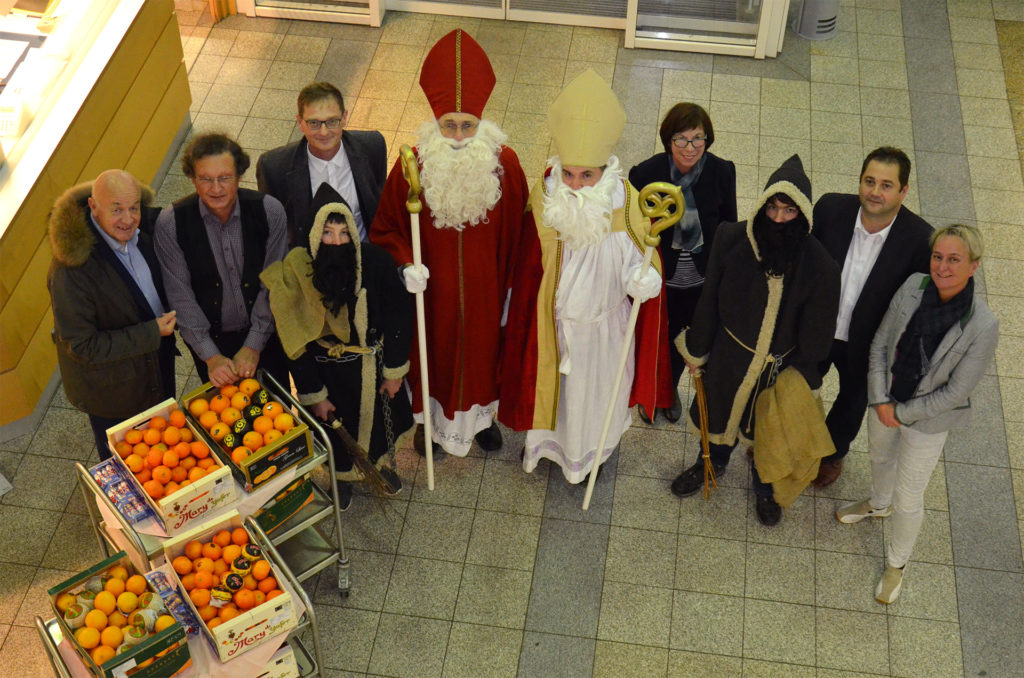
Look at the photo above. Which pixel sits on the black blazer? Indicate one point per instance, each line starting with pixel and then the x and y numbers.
pixel 905 251
pixel 714 193
pixel 284 173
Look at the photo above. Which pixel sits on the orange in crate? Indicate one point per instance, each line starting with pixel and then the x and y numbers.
pixel 253 440
pixel 198 406
pixel 182 564
pixel 219 403
pixel 211 551
pixel 248 386
pixel 154 488
pixel 172 436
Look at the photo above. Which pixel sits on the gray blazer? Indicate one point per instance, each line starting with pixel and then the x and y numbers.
pixel 942 400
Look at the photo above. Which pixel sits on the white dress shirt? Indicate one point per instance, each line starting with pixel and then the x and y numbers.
pixel 338 173
pixel 860 259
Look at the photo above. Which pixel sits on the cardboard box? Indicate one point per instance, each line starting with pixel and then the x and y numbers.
pixel 282 664
pixel 172 641
pixel 285 504
pixel 251 628
pixel 185 508
pixel 292 448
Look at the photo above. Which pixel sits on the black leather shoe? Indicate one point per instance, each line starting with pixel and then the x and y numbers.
pixel 692 479
pixel 417 443
pixel 489 439
pixel 643 414
pixel 673 413
pixel 768 511
pixel 391 478
pixel 344 494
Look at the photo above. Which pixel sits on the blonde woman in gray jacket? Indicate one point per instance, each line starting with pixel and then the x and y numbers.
pixel 931 350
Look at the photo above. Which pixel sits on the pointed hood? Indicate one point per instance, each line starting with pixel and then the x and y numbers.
pixel 790 180
pixel 325 203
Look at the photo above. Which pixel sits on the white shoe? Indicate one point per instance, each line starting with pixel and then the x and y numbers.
pixel 888 589
pixel 859 510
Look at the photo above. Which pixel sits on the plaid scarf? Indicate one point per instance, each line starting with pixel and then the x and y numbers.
pixel 924 332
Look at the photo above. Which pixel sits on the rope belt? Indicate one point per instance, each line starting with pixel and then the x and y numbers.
pixel 343 353
pixel 771 360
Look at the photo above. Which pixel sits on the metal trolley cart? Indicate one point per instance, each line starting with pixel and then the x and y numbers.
pixel 298 546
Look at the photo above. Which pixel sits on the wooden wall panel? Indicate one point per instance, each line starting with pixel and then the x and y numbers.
pixel 24 234
pixel 128 120
pixel 126 125
pixel 27 305
pixel 65 168
pixel 164 124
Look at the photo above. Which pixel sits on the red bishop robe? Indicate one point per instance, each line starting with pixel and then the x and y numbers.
pixel 530 382
pixel 471 272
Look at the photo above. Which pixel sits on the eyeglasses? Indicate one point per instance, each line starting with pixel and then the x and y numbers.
pixel 333 123
pixel 464 127
pixel 225 180
pixel 682 142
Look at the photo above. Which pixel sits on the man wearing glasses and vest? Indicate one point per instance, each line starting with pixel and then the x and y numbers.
pixel 353 163
pixel 212 247
pixel 474 194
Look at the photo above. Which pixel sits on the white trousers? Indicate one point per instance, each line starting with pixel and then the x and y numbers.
pixel 902 461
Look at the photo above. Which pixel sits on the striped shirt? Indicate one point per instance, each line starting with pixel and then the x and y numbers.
pixel 226 243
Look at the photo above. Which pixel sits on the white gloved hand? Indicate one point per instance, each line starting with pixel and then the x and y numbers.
pixel 644 286
pixel 415 278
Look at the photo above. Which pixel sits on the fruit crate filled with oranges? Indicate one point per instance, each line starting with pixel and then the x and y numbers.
pixel 252 431
pixel 115 620
pixel 233 588
pixel 180 478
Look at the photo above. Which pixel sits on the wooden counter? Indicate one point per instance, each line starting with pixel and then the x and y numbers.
pixel 122 108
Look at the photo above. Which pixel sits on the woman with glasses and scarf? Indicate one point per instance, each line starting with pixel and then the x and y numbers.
pixel 931 350
pixel 709 186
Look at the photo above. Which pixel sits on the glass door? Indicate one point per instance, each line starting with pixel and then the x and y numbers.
pixel 369 12
pixel 741 27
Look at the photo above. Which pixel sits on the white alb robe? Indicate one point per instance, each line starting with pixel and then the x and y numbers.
pixel 591 312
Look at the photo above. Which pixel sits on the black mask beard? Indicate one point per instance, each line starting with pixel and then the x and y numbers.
pixel 780 244
pixel 334 275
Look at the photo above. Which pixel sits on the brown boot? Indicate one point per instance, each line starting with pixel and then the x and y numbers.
pixel 417 443
pixel 828 472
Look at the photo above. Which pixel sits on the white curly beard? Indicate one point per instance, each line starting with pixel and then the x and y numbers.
pixel 582 217
pixel 461 179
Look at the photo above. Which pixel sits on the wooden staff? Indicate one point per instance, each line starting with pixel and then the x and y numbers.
pixel 411 172
pixel 702 413
pixel 656 202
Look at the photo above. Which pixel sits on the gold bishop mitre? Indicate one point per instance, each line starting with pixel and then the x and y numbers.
pixel 586 121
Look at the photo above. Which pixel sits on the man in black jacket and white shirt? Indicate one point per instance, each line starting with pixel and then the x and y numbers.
pixel 353 163
pixel 879 243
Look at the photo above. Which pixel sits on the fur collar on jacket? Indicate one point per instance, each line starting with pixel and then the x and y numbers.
pixel 71 239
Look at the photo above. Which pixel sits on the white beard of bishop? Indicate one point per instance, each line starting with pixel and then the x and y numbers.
pixel 461 179
pixel 583 217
